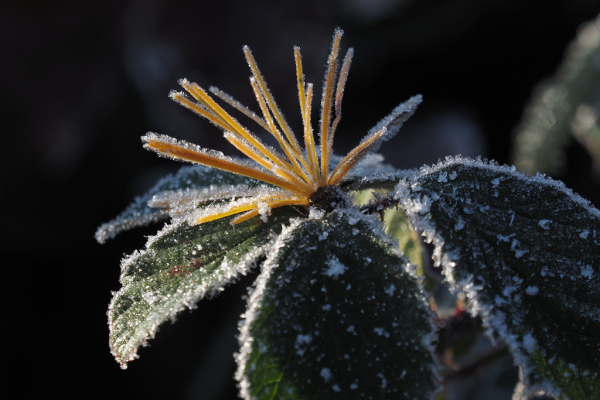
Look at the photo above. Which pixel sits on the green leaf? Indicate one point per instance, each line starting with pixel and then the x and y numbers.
pixel 337 313
pixel 526 250
pixel 179 266
pixel 195 177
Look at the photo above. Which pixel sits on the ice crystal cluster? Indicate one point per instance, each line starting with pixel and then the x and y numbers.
pixel 337 310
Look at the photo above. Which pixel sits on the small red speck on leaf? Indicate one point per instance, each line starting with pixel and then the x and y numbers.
pixel 177 271
pixel 196 264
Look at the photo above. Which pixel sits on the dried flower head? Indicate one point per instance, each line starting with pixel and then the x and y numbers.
pixel 302 177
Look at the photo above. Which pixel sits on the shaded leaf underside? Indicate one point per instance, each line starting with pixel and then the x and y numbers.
pixel 526 250
pixel 336 314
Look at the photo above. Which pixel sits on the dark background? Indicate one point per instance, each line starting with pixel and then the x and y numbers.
pixel 82 81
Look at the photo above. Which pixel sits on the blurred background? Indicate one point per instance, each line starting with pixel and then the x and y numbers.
pixel 82 81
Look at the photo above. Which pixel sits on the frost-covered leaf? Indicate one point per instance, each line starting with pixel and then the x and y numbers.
pixel 336 313
pixel 195 178
pixel 527 252
pixel 179 266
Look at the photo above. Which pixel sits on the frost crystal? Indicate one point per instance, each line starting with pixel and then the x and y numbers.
pixel 303 339
pixel 529 343
pixel 381 332
pixel 383 381
pixel 315 213
pixel 545 223
pixel 326 374
pixel 173 255
pixel 334 267
pixel 391 289
pixel 587 271
pixel 532 290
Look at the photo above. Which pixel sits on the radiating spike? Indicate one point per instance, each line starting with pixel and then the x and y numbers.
pixel 199 109
pixel 181 150
pixel 326 104
pixel 354 156
pixel 288 175
pixel 343 77
pixel 309 138
pixel 297 201
pixel 235 127
pixel 252 153
pixel 288 150
pixel 270 100
pixel 245 216
pixel 231 211
pixel 300 80
pixel 248 150
pixel 238 106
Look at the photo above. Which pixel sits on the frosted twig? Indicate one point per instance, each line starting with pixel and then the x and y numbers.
pixel 380 204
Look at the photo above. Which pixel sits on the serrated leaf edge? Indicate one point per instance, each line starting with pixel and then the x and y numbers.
pixel 129 351
pixel 245 338
pixel 417 212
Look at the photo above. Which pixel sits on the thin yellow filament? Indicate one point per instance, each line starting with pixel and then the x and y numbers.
pixel 298 201
pixel 326 105
pixel 245 216
pixel 305 98
pixel 270 101
pixel 252 152
pixel 238 106
pixel 231 211
pixel 309 138
pixel 289 152
pixel 248 150
pixel 237 209
pixel 186 154
pixel 300 79
pixel 235 126
pixel 353 157
pixel 187 103
pixel 288 175
pixel 340 93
